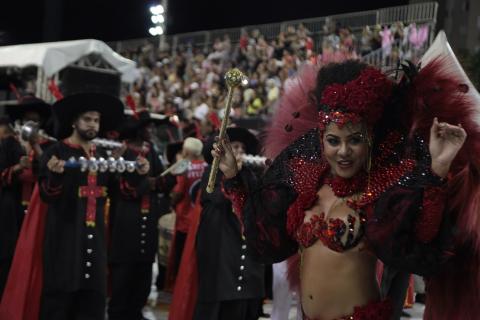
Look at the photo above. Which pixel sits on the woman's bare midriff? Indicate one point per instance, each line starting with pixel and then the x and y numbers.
pixel 333 283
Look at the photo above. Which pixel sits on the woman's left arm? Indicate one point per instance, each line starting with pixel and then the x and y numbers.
pixel 446 140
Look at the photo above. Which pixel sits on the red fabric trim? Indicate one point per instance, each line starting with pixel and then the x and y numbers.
pixel 139 151
pixel 237 197
pixel 145 204
pixel 378 310
pixel 55 90
pixel 185 291
pixel 51 190
pixel 72 145
pixel 430 218
pixel 127 189
pixel 21 298
pixel 7 176
pixel 93 147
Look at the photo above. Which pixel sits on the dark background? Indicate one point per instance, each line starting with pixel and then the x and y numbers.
pixel 52 20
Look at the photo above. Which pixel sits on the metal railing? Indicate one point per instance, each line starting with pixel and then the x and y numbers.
pixel 419 13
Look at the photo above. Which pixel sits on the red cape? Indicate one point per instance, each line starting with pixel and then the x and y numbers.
pixel 21 298
pixel 186 284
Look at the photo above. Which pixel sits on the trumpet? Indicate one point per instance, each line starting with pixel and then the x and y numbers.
pixel 177 168
pixel 31 129
pixel 102 165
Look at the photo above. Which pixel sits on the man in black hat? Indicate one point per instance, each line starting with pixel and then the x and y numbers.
pixel 231 284
pixel 33 110
pixel 134 240
pixel 74 248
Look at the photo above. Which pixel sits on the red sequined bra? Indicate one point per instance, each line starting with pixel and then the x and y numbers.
pixel 331 232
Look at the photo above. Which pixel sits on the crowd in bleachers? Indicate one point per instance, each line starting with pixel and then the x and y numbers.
pixel 189 83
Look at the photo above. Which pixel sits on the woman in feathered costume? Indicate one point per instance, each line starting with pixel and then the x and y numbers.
pixel 368 168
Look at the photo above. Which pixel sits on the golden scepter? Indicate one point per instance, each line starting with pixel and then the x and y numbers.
pixel 233 78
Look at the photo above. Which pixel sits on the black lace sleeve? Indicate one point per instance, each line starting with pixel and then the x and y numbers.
pixel 267 205
pixel 398 225
pixel 264 215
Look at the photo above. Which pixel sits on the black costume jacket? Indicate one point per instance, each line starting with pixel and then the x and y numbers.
pixel 74 251
pixel 226 270
pixel 11 209
pixel 134 219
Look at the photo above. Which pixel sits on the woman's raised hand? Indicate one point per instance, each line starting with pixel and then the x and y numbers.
pixel 445 142
pixel 228 163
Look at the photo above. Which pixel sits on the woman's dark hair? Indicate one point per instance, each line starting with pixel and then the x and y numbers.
pixel 336 73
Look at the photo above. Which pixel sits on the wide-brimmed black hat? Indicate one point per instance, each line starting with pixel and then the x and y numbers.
pixel 66 110
pixel 252 145
pixel 27 103
pixel 172 150
pixel 133 123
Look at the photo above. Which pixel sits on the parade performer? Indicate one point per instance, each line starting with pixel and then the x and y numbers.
pixel 230 282
pixel 217 278
pixel 180 197
pixel 60 262
pixel 134 233
pixel 18 173
pixel 367 168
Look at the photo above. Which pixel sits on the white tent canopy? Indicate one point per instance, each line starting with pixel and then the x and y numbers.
pixel 54 56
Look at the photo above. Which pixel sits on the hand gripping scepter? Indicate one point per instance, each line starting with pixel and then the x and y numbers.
pixel 233 78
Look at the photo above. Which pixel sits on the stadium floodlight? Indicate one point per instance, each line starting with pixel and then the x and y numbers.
pixel 156 31
pixel 158 9
pixel 158 19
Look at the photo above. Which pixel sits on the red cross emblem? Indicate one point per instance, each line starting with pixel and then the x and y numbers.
pixel 91 191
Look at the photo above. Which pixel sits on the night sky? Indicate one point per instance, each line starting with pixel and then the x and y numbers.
pixel 107 20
